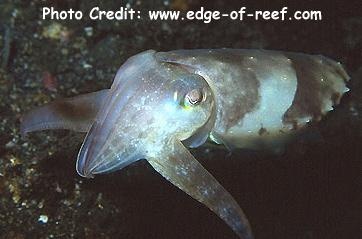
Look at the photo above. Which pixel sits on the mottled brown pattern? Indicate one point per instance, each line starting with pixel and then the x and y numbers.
pixel 308 88
pixel 312 91
pixel 246 97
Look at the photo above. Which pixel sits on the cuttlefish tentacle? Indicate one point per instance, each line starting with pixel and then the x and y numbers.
pixel 77 113
pixel 178 166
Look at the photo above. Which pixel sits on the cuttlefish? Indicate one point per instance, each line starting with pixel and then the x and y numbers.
pixel 162 103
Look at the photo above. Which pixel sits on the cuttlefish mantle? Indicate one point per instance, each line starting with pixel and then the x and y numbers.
pixel 160 103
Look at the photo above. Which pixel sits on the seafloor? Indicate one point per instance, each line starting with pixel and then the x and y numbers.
pixel 312 191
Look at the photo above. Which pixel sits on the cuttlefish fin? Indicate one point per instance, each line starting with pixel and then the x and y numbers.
pixel 77 113
pixel 180 168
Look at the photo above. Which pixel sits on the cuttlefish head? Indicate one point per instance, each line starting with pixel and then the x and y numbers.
pixel 152 111
pixel 150 104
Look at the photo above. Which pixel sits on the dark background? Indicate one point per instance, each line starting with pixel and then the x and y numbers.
pixel 312 190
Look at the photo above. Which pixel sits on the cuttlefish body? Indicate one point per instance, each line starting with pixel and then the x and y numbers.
pixel 160 103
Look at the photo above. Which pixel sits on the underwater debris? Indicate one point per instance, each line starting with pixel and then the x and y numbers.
pixel 49 81
pixel 57 31
pixel 43 219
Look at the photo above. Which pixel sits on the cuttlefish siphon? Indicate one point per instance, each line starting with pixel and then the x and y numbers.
pixel 160 103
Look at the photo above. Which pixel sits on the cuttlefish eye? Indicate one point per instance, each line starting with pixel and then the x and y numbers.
pixel 193 97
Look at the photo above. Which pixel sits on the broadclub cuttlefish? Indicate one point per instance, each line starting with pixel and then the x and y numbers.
pixel 160 103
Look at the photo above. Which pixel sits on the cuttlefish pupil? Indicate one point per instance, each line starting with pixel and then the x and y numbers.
pixel 194 97
pixel 226 99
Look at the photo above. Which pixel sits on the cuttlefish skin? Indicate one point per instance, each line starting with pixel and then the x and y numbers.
pixel 160 103
pixel 262 96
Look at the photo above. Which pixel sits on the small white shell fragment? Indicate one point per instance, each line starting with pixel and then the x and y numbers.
pixel 43 218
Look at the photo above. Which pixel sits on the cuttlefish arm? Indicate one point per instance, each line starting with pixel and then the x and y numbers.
pixel 77 113
pixel 178 166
